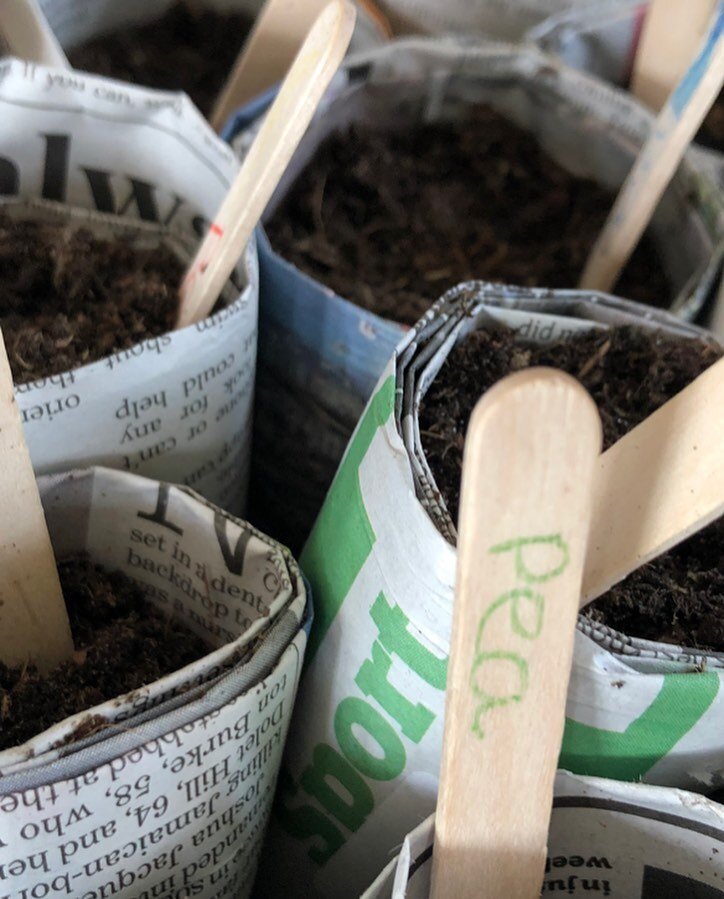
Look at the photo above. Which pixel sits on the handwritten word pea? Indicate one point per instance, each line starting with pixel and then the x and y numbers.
pixel 536 561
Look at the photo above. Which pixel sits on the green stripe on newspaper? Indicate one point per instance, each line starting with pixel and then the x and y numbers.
pixel 628 755
pixel 343 528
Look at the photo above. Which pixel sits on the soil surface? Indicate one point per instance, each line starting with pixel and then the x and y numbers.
pixel 122 643
pixel 70 299
pixel 390 221
pixel 711 133
pixel 188 49
pixel 678 598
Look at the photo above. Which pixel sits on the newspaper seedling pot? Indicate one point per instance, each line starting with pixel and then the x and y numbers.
pixel 75 26
pixel 189 48
pixel 608 838
pixel 170 797
pixel 163 407
pixel 603 40
pixel 122 160
pixel 381 560
pixel 600 39
pixel 320 355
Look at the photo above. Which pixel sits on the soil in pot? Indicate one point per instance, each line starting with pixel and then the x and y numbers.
pixel 392 220
pixel 678 598
pixel 188 49
pixel 711 133
pixel 70 298
pixel 122 643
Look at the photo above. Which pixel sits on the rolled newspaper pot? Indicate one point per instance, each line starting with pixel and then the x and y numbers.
pixel 363 757
pixel 76 25
pixel 144 165
pixel 168 793
pixel 605 837
pixel 313 379
pixel 603 40
pixel 600 39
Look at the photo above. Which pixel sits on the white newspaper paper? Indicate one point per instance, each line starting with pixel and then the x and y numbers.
pixel 364 753
pixel 172 796
pixel 503 19
pixel 607 839
pixel 603 39
pixel 177 406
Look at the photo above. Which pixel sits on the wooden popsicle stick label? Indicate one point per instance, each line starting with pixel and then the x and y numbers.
pixel 527 486
pixel 270 49
pixel 276 37
pixel 209 249
pixel 655 165
pixel 25 33
pixel 671 35
pixel 501 676
pixel 279 135
pixel 33 619
pixel 658 485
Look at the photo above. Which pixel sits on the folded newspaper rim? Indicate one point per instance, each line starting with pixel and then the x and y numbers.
pixel 171 788
pixel 605 837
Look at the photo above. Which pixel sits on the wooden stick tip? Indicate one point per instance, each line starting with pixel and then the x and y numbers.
pixel 534 385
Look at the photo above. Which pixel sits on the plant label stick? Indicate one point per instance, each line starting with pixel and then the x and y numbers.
pixel 674 128
pixel 658 485
pixel 273 43
pixel 526 496
pixel 25 33
pixel 269 50
pixel 33 620
pixel 671 34
pixel 273 147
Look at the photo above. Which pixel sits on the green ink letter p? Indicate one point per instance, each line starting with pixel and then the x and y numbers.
pixel 529 570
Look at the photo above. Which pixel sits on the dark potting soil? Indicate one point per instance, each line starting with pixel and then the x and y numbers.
pixel 679 597
pixel 711 133
pixel 122 643
pixel 188 49
pixel 392 220
pixel 68 298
